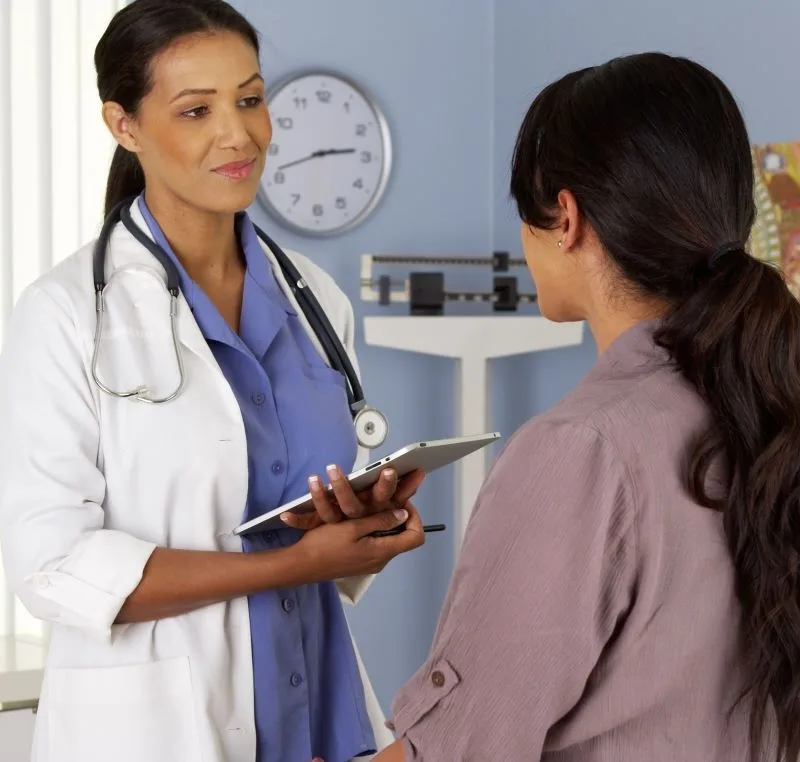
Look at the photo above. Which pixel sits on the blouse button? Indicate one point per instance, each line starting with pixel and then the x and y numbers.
pixel 437 678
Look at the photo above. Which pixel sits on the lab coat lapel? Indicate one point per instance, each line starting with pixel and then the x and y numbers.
pixel 293 303
pixel 126 251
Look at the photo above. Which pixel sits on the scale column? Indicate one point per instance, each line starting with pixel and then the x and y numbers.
pixel 474 419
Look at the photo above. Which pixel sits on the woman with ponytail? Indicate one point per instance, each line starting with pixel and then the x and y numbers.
pixel 628 588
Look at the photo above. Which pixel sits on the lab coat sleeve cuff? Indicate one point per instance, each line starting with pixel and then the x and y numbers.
pixel 351 589
pixel 89 587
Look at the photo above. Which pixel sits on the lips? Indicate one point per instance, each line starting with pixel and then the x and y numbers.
pixel 236 170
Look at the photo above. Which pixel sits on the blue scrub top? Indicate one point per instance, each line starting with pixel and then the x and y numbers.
pixel 309 698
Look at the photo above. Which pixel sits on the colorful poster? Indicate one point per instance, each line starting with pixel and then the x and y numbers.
pixel 776 233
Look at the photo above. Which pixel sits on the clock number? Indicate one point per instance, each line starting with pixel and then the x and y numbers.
pixel 273 149
pixel 361 130
pixel 366 157
pixel 285 122
pixel 341 202
pixel 324 96
pixel 279 177
pixel 295 198
pixel 346 105
pixel 358 183
pixel 300 103
pixel 317 210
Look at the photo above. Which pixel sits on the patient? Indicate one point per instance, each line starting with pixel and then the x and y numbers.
pixel 631 567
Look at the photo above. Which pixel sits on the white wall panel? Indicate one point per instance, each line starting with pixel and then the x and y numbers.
pixel 95 143
pixel 6 601
pixel 65 137
pixel 29 222
pixel 54 158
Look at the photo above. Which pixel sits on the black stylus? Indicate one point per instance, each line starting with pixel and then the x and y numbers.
pixel 402 528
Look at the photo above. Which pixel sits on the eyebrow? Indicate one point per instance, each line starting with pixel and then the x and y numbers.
pixel 211 91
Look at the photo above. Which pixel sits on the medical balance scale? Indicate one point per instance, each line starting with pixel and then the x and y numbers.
pixel 471 340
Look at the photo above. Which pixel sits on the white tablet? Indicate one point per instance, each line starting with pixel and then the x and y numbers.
pixel 425 456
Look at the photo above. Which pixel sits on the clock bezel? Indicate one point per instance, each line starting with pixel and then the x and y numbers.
pixel 386 165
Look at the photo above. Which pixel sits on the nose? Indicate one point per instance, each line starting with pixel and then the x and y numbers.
pixel 232 131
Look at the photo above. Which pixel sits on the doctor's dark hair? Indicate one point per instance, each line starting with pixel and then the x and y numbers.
pixel 124 56
pixel 656 153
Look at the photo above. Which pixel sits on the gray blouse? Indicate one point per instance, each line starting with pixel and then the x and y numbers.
pixel 591 616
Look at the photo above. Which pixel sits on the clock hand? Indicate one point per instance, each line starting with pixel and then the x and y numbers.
pixel 316 155
pixel 332 151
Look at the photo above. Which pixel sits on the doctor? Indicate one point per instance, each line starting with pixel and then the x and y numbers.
pixel 168 643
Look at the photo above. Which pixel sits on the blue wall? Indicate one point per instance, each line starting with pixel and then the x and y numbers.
pixel 455 78
pixel 436 92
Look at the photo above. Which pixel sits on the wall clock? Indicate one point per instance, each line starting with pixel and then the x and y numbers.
pixel 330 156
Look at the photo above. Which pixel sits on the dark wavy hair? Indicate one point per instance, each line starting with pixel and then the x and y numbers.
pixel 656 153
pixel 123 58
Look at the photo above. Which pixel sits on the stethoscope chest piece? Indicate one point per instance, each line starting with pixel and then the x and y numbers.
pixel 372 428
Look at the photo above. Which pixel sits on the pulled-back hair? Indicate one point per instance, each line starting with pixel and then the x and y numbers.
pixel 656 153
pixel 123 61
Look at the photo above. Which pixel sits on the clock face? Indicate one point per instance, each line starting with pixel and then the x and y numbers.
pixel 330 155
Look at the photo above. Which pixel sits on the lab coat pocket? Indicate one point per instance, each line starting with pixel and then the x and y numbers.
pixel 125 714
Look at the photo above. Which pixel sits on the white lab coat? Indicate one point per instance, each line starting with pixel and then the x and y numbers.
pixel 90 485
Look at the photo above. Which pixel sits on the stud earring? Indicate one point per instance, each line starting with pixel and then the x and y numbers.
pixel 559 244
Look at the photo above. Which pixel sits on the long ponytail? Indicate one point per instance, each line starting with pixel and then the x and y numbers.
pixel 737 340
pixel 125 178
pixel 656 153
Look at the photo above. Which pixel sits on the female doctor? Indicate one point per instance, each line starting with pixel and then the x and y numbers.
pixel 116 515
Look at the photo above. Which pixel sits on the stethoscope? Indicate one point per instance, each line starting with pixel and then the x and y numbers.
pixel 370 424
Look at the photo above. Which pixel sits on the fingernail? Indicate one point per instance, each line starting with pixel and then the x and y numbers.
pixel 388 474
pixel 333 471
pixel 285 518
pixel 401 514
pixel 314 483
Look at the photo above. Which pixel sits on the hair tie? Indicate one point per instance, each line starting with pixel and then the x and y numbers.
pixel 721 251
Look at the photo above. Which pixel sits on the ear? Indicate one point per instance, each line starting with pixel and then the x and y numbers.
pixel 121 125
pixel 570 220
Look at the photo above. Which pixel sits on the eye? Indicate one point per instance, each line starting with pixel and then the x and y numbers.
pixel 195 113
pixel 252 101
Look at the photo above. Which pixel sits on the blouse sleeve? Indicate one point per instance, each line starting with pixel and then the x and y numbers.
pixel 544 576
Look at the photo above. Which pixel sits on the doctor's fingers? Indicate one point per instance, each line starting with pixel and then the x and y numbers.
pixel 389 546
pixel 390 493
pixel 351 504
pixel 304 522
pixel 383 489
pixel 326 508
pixel 407 487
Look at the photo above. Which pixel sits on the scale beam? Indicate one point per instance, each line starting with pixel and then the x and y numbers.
pixel 425 292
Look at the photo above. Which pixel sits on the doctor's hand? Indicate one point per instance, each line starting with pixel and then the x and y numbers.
pixel 386 494
pixel 347 549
